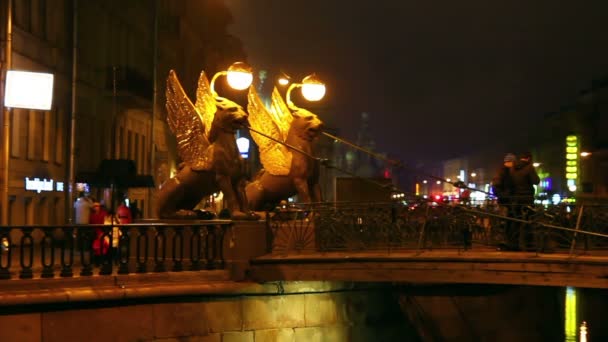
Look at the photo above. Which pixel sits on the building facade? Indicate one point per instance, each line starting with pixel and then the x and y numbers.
pixel 104 56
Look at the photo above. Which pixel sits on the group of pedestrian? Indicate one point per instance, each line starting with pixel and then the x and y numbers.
pixel 513 186
pixel 89 211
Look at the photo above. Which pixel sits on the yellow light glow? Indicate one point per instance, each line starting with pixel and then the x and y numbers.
pixel 571 169
pixel 239 80
pixel 571 175
pixel 31 90
pixel 570 314
pixel 585 154
pixel 313 92
pixel 571 163
pixel 283 81
pixel 571 149
pixel 571 156
pixel 571 138
pixel 312 88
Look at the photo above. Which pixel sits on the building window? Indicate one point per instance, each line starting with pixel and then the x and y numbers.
pixel 18 116
pixel 38 18
pixel 136 153
pixel 59 138
pixel 35 135
pixel 21 12
pixel 49 124
pixel 121 143
pixel 129 144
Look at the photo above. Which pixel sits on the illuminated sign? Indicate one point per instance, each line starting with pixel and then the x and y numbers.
pixel 30 90
pixel 572 145
pixel 39 185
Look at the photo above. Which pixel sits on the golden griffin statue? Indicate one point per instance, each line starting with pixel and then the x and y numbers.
pixel 206 144
pixel 286 172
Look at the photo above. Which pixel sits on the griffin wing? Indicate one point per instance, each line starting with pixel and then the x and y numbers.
pixel 186 122
pixel 280 113
pixel 205 102
pixel 275 157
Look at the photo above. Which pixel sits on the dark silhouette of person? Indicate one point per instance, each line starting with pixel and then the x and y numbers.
pixel 503 188
pixel 524 179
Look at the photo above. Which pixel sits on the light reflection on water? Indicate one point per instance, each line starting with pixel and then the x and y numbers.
pixel 570 315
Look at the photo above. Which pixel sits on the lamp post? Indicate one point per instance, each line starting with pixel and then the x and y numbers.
pixel 312 90
pixel 239 76
pixel 6 113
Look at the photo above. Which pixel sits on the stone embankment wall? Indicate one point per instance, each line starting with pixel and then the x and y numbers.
pixel 296 312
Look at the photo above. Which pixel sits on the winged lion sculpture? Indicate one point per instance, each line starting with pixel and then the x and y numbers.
pixel 206 143
pixel 286 172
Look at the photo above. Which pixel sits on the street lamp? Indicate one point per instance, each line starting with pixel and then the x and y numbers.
pixel 312 90
pixel 239 76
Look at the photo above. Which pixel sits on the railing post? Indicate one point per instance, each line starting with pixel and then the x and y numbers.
pixel 160 241
pixel 141 262
pixel 86 251
pixel 177 250
pixel 26 241
pixel 66 266
pixel 5 249
pixel 124 246
pixel 47 243
pixel 106 258
pixel 195 248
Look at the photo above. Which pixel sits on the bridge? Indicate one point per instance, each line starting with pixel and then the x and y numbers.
pixel 339 247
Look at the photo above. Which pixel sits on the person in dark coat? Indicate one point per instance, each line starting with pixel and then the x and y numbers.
pixel 502 183
pixel 524 178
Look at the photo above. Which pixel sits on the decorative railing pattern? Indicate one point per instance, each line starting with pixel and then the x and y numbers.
pixel 427 225
pixel 51 251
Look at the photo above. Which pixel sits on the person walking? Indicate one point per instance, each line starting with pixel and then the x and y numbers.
pixel 503 188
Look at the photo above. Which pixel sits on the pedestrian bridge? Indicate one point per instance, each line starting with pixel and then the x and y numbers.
pixel 424 243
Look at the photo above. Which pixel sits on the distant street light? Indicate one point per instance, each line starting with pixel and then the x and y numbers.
pixel 239 76
pixel 473 175
pixel 585 154
pixel 536 164
pixel 283 79
pixel 312 90
pixel 243 145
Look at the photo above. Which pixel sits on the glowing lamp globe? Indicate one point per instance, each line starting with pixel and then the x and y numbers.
pixel 239 76
pixel 312 88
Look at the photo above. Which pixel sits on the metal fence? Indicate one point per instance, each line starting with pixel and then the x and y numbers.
pixel 52 251
pixel 429 225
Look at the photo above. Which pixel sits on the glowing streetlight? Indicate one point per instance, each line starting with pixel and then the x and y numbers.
pixel 284 79
pixel 312 90
pixel 473 174
pixel 585 154
pixel 239 76
pixel 243 145
pixel 536 164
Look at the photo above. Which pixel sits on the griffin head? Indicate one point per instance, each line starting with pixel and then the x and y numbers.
pixel 306 124
pixel 229 115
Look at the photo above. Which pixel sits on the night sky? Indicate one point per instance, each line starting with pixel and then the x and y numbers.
pixel 438 78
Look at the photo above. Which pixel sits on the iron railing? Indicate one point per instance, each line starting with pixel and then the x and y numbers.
pixel 327 227
pixel 51 251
